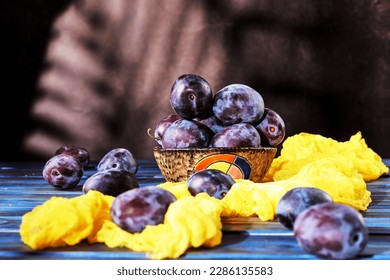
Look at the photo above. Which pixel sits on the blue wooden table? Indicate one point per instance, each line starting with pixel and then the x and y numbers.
pixel 22 187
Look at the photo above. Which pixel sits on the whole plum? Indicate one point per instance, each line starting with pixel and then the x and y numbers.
pixel 118 158
pixel 187 134
pixel 215 124
pixel 237 103
pixel 80 153
pixel 211 181
pixel 133 210
pixel 237 135
pixel 191 96
pixel 162 125
pixel 63 171
pixel 271 128
pixel 111 182
pixel 296 200
pixel 331 230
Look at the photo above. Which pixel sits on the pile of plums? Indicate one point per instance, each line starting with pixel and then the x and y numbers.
pixel 234 117
pixel 115 171
pixel 322 227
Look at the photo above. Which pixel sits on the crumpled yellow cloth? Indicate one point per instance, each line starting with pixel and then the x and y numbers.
pixel 304 148
pixel 63 221
pixel 246 198
pixel 339 168
pixel 189 222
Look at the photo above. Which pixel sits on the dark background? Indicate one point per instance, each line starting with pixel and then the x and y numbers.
pixel 25 28
pixel 352 92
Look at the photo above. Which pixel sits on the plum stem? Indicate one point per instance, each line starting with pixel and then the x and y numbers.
pixel 150 134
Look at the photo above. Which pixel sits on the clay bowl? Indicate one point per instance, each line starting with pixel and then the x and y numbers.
pixel 178 165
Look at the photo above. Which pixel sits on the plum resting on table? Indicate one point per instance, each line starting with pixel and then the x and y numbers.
pixel 293 202
pixel 133 210
pixel 331 230
pixel 80 153
pixel 111 182
pixel 211 181
pixel 119 159
pixel 63 171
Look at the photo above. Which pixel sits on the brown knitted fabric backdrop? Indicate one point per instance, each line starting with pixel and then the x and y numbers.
pixel 111 64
